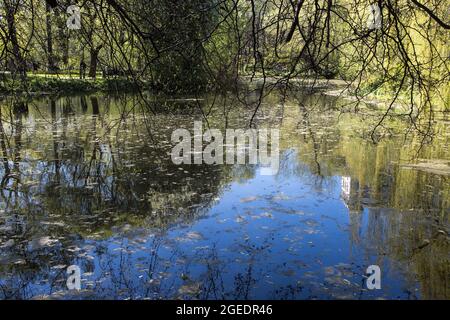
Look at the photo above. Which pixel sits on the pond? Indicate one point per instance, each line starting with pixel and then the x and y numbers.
pixel 89 181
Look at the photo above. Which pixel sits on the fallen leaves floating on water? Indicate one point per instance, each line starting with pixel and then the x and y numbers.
pixel 192 289
pixel 194 235
pixel 42 242
pixel 248 199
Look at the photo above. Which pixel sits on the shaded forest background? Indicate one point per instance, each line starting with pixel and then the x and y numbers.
pixel 198 45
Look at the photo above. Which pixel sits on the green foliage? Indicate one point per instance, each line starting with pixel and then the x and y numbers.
pixel 183 27
pixel 43 85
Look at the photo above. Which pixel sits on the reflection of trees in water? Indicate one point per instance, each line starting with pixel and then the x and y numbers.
pixel 418 240
pixel 88 170
pixel 85 175
pixel 12 148
pixel 29 269
pixel 68 175
pixel 415 231
pixel 158 273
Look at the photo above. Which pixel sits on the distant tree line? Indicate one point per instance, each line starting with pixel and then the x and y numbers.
pixel 193 45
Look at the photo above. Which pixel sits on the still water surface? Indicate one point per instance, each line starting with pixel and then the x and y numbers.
pixel 89 181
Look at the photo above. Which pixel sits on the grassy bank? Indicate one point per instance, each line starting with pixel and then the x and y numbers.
pixel 41 85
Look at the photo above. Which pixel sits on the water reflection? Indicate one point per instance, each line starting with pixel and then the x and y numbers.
pixel 89 181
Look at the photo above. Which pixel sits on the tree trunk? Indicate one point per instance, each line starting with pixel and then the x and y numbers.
pixel 19 62
pixel 50 56
pixel 94 59
pixel 84 105
pixel 95 106
pixel 63 39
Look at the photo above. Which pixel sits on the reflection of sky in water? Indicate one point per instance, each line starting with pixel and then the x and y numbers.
pixel 300 234
pixel 285 238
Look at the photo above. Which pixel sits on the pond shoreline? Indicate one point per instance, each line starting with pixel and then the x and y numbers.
pixel 44 86
pixel 37 86
pixel 40 86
